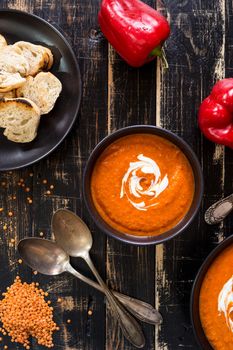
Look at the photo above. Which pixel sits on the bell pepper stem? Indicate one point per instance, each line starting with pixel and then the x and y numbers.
pixel 159 51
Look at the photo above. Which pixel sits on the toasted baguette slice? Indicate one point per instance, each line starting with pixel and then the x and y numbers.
pixel 2 41
pixel 20 117
pixel 39 57
pixel 10 81
pixel 44 90
pixel 12 61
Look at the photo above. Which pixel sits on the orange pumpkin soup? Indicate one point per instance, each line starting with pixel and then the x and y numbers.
pixel 216 302
pixel 142 184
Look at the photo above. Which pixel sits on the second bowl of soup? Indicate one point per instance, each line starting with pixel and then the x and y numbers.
pixel 143 184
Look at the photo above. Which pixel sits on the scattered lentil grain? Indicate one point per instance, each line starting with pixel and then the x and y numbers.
pixel 90 312
pixel 51 187
pixel 1 209
pixel 10 213
pixel 41 234
pixel 24 301
pixel 68 321
pixel 20 261
pixel 48 192
pixel 44 181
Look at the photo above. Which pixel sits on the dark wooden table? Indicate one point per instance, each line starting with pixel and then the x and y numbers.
pixel 199 51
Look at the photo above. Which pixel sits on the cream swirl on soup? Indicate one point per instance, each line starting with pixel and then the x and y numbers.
pixel 132 183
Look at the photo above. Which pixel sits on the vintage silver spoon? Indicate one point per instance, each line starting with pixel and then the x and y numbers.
pixel 48 258
pixel 73 235
pixel 219 210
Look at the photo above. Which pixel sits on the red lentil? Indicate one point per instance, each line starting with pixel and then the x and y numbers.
pixel 24 301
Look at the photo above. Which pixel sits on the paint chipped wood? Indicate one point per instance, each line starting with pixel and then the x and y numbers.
pixel 199 52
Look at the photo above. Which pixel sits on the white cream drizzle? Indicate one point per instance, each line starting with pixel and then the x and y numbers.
pixel 131 187
pixel 225 302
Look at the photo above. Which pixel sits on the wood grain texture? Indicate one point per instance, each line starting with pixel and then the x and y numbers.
pixel 199 52
pixel 196 56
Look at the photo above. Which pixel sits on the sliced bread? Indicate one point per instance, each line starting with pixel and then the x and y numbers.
pixel 20 117
pixel 44 90
pixel 2 41
pixel 10 81
pixel 39 57
pixel 12 60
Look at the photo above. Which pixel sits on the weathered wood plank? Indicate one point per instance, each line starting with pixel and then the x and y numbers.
pixel 195 52
pixel 131 100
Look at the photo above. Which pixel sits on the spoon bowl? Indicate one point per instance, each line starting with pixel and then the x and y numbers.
pixel 43 256
pixel 72 234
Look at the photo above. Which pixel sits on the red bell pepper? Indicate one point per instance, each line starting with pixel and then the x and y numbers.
pixel 134 29
pixel 215 117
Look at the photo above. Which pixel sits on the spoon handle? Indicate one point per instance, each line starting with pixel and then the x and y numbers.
pixel 143 311
pixel 130 328
pixel 219 210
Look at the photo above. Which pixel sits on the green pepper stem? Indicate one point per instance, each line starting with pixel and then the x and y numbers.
pixel 159 51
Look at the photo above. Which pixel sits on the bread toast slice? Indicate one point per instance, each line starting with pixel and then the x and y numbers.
pixel 44 90
pixel 10 81
pixel 12 61
pixel 39 57
pixel 20 117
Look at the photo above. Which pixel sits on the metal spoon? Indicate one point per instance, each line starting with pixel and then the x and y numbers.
pixel 48 258
pixel 73 235
pixel 219 210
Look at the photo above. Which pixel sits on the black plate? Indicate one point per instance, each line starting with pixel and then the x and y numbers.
pixel 15 26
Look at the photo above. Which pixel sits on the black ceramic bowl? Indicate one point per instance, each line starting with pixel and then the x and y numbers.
pixel 144 129
pixel 194 302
